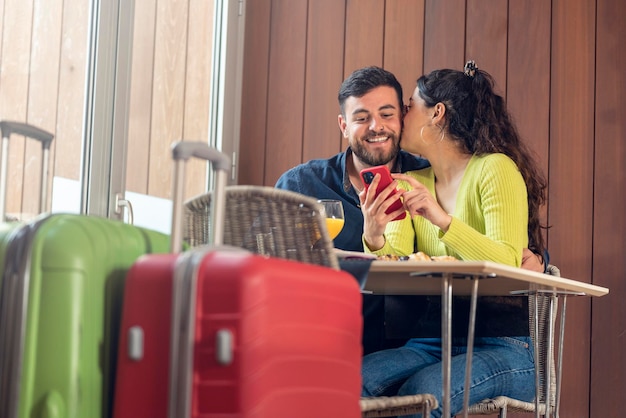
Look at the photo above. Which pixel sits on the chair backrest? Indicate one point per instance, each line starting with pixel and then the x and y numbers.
pixel 545 343
pixel 265 220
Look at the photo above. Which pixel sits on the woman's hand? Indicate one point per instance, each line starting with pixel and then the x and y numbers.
pixel 375 219
pixel 419 201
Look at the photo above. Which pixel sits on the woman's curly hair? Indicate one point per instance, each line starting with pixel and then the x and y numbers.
pixel 478 119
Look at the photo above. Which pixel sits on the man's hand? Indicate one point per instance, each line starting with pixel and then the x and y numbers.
pixel 532 261
pixel 374 208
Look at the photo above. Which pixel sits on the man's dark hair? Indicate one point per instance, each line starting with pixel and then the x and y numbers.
pixel 363 80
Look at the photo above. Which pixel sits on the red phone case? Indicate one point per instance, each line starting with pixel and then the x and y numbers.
pixel 367 175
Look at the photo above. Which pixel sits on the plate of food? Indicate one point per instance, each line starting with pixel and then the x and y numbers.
pixel 418 256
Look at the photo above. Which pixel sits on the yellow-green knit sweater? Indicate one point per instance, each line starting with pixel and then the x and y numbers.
pixel 489 223
pixel 490 220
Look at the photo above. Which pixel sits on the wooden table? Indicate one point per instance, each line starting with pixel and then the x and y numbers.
pixel 463 278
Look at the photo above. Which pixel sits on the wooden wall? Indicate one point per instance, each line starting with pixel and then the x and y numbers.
pixel 608 201
pixel 560 65
pixel 43 47
pixel 170 91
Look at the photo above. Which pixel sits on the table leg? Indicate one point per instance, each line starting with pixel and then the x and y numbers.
pixel 470 347
pixel 446 340
pixel 559 364
pixel 536 351
pixel 553 304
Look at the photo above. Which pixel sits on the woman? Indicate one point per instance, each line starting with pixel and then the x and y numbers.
pixel 479 200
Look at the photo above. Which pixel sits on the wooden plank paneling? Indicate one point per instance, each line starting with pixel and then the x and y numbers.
pixel 444 37
pixel 486 39
pixel 198 88
pixel 528 80
pixel 254 93
pixel 14 78
pixel 71 97
pixel 324 70
pixel 608 367
pixel 404 42
pixel 3 25
pixel 168 92
pixel 571 178
pixel 42 94
pixel 365 28
pixel 140 115
pixel 285 105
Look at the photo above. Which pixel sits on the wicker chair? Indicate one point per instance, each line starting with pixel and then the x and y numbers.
pixel 265 220
pixel 285 224
pixel 545 346
pixel 395 406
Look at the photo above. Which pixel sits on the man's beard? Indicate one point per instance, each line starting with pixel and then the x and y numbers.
pixel 378 158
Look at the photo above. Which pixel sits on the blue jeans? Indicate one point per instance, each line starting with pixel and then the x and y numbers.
pixel 502 366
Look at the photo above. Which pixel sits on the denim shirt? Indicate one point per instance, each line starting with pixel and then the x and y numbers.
pixel 328 179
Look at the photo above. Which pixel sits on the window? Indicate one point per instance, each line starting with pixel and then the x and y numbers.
pixel 117 83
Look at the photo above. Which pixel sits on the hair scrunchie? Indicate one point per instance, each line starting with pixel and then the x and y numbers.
pixel 470 68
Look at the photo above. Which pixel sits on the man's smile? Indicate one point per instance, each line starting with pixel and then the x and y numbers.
pixel 377 139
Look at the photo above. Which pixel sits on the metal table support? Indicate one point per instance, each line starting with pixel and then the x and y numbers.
pixel 446 333
pixel 446 337
pixel 398 278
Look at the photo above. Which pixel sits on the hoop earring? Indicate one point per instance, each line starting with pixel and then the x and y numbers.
pixel 443 134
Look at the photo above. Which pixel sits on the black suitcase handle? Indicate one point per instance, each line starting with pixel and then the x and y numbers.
pixel 8 128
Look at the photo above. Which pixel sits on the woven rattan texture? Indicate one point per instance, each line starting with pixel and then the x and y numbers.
pixel 546 347
pixel 265 220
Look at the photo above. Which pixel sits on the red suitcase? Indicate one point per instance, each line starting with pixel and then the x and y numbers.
pixel 222 333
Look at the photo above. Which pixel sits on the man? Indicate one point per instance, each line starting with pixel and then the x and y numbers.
pixel 371 106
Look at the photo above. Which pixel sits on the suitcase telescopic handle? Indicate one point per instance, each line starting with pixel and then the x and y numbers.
pixel 220 162
pixel 8 128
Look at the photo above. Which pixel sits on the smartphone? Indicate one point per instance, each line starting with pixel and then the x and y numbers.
pixel 367 175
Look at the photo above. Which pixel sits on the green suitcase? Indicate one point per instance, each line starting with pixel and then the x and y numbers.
pixel 61 295
pixel 60 298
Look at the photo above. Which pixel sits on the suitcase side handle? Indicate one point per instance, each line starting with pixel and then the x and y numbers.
pixel 7 128
pixel 220 162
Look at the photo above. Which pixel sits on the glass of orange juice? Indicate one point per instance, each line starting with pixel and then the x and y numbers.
pixel 333 210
